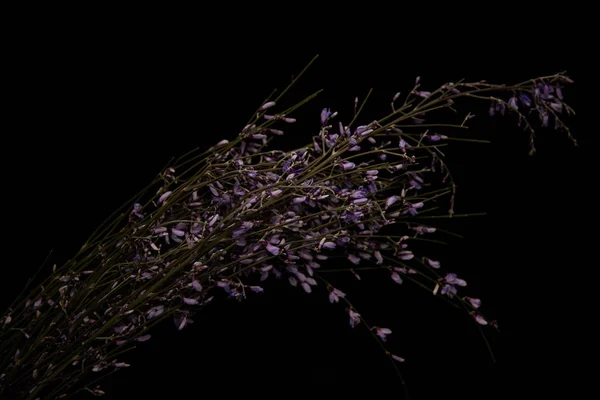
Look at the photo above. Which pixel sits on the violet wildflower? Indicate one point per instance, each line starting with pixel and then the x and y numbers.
pixel 346 165
pixel 382 332
pixel 396 278
pixel 476 303
pixel 335 295
pixel 525 99
pixel 272 249
pixel 268 105
pixel 325 115
pixel 354 317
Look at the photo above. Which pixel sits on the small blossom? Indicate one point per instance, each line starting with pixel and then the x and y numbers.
pixel 273 249
pixel 432 263
pixel 556 107
pixel 353 259
pixel 325 115
pixel 525 99
pixel 453 280
pixel 390 201
pixel 354 318
pixel 155 312
pixel 406 255
pixel 396 278
pixel 479 318
pixel 121 365
pixel 335 294
pixel 476 303
pixel 346 165
pixel 196 285
pixel 162 198
pixel 382 332
pixel 329 245
pixel 267 105
pixel 559 93
pixel 378 256
pixel 306 287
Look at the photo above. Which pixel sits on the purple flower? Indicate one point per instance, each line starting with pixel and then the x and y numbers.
pixel 559 93
pixel 448 290
pixel 476 303
pixel 325 115
pixel 335 294
pixel 329 245
pixel 500 107
pixel 155 312
pixel 162 198
pixel 306 287
pixel 346 165
pixel 354 317
pixel 432 263
pixel 273 249
pixel 421 230
pixel 267 105
pixel 525 99
pixel 390 201
pixel 353 259
pixel 382 332
pixel 479 318
pixel 436 137
pixel 396 278
pixel 143 338
pixel 196 285
pixel 298 200
pixel 191 302
pixel 556 107
pixel 256 289
pixel 512 102
pixel 378 256
pixel 544 117
pixel 181 322
pixel 453 280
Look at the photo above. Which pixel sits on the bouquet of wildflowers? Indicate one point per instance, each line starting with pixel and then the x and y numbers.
pixel 242 212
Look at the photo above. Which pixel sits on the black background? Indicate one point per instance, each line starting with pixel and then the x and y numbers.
pixel 96 108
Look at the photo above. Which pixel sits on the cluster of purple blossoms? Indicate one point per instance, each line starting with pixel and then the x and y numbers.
pixel 244 211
